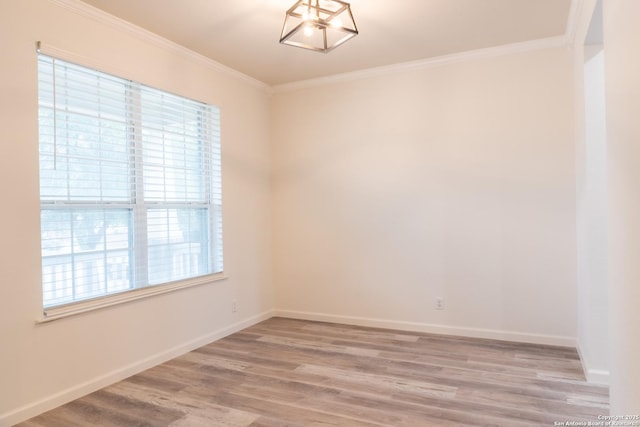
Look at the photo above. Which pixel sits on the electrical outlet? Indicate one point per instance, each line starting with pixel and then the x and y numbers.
pixel 439 303
pixel 234 306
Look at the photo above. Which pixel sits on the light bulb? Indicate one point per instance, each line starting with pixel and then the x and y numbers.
pixel 308 30
pixel 336 22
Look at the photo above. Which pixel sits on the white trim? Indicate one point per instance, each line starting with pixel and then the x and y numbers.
pixel 103 17
pixel 55 313
pixel 431 328
pixel 595 376
pixel 35 408
pixel 140 33
pixel 575 11
pixel 491 52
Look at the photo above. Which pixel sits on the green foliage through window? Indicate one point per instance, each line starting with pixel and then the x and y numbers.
pixel 130 184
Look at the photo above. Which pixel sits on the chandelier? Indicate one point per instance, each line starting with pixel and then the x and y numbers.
pixel 320 25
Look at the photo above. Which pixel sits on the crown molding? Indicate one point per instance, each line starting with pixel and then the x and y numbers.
pixel 491 52
pixel 98 15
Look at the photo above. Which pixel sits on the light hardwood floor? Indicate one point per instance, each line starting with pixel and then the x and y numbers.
pixel 285 372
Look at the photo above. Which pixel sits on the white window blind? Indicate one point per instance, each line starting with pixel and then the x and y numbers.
pixel 130 185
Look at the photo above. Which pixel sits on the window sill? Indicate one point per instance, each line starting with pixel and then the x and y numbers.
pixel 55 313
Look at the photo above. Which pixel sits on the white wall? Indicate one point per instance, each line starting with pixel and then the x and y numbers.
pixel 591 193
pixel 44 365
pixel 455 181
pixel 622 68
pixel 594 325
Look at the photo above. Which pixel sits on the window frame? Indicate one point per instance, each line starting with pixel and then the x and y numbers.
pixel 215 241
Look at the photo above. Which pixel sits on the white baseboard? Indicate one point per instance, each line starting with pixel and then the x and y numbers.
pixel 32 409
pixel 595 376
pixel 64 396
pixel 431 328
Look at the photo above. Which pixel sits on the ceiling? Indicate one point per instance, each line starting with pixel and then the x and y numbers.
pixel 243 34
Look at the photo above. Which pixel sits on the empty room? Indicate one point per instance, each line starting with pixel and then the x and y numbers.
pixel 319 212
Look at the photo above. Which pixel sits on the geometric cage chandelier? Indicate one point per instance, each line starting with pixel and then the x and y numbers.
pixel 319 25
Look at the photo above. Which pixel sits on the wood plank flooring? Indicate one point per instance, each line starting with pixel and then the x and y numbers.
pixel 285 372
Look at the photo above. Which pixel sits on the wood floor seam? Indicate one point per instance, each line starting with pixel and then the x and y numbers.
pixel 289 373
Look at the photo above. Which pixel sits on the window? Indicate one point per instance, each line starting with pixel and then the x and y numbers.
pixel 130 185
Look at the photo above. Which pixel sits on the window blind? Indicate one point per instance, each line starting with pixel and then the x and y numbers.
pixel 130 184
